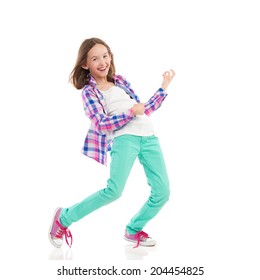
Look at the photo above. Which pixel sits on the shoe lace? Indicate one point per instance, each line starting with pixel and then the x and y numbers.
pixel 140 235
pixel 64 231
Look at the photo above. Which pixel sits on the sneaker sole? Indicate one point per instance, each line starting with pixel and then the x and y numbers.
pixel 49 233
pixel 144 244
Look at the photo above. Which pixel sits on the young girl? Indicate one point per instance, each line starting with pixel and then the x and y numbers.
pixel 117 116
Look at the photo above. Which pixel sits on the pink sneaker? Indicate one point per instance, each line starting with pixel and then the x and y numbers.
pixel 141 238
pixel 57 231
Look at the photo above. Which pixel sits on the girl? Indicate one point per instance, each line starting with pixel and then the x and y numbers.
pixel 117 116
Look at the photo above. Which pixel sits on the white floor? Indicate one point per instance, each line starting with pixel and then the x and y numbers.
pixel 127 252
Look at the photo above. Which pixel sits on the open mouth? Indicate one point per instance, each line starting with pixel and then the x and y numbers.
pixel 102 69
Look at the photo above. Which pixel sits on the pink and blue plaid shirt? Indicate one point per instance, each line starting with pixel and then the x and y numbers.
pixel 98 140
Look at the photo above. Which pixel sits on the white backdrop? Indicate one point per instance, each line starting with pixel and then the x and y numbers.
pixel 208 128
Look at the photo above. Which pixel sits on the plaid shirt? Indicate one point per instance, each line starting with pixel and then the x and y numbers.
pixel 98 140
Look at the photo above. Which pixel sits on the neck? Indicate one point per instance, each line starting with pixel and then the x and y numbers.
pixel 104 84
pixel 101 81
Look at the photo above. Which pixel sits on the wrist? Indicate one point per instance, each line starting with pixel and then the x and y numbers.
pixel 164 87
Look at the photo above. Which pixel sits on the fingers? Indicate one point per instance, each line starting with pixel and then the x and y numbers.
pixel 138 109
pixel 141 108
pixel 169 74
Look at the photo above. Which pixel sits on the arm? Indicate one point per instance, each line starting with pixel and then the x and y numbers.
pixel 156 100
pixel 95 112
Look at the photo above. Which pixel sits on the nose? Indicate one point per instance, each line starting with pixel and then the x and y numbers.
pixel 102 61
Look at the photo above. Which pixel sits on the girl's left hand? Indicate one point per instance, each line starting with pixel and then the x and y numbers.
pixel 167 78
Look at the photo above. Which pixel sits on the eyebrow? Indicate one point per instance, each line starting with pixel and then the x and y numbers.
pixel 96 56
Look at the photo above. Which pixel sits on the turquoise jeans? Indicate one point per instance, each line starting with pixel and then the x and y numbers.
pixel 125 150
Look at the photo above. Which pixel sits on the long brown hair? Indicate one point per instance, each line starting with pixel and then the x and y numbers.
pixel 79 76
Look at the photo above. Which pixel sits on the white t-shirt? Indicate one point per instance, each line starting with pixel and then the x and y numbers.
pixel 118 101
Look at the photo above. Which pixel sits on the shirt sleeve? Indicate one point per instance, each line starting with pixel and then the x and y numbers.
pixel 103 123
pixel 155 101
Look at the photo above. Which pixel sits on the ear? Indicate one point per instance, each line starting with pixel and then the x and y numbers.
pixel 85 67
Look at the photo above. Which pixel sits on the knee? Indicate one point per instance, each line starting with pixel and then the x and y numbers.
pixel 112 194
pixel 163 194
pixel 115 195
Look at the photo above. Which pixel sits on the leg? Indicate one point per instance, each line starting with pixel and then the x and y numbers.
pixel 153 162
pixel 123 155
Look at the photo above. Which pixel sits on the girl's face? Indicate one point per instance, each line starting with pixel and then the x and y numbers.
pixel 98 62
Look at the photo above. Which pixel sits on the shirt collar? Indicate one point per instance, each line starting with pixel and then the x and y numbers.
pixel 119 80
pixel 92 81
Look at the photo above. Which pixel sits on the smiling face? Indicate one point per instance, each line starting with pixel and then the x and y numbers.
pixel 98 62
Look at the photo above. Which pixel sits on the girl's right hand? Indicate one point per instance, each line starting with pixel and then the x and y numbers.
pixel 138 109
